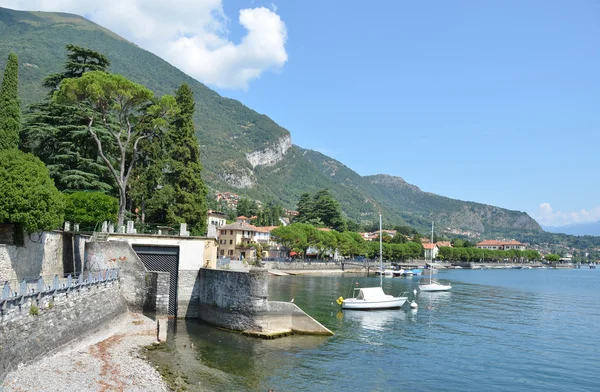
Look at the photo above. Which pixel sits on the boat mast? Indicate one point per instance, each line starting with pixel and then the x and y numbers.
pixel 380 255
pixel 431 274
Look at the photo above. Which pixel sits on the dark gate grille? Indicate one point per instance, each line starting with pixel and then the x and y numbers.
pixel 163 259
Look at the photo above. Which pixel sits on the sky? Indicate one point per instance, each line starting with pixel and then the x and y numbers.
pixel 489 101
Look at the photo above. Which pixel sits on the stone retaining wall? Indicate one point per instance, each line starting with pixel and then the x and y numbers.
pixel 46 322
pixel 232 299
pixel 237 300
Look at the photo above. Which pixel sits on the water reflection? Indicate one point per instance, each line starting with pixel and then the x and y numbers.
pixel 375 320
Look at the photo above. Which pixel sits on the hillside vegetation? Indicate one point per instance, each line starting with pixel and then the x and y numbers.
pixel 227 131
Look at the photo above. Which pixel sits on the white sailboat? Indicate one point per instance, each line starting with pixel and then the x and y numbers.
pixel 433 285
pixel 370 298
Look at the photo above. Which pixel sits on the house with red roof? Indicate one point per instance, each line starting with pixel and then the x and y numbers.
pixel 431 251
pixel 500 245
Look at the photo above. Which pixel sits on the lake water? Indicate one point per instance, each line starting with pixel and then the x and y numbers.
pixel 497 330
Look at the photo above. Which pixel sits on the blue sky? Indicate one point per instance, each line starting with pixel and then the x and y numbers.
pixel 495 102
pixel 489 101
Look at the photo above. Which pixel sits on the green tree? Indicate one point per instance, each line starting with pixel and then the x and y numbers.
pixel 185 170
pixel 10 106
pixel 79 61
pixel 90 208
pixel 58 134
pixel 28 195
pixel 552 257
pixel 417 239
pixel 398 239
pixel 329 211
pixel 243 207
pixel 305 208
pixel 101 96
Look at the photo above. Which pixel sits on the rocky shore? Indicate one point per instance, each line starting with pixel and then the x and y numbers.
pixel 105 361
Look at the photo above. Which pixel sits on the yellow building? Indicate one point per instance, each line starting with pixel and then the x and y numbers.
pixel 235 241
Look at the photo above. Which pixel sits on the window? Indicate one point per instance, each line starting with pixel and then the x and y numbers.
pixel 222 252
pixel 231 232
pixel 230 242
pixel 230 252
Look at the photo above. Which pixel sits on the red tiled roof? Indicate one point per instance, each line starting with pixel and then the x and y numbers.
pixel 443 243
pixel 429 246
pixel 498 243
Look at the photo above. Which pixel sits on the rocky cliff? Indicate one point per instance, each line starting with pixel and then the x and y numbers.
pixel 271 154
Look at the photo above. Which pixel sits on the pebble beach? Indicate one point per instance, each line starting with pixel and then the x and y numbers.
pixel 108 360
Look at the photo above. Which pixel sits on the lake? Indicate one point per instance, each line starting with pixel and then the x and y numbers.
pixel 500 330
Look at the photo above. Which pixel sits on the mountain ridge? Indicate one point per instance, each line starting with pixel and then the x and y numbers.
pixel 242 150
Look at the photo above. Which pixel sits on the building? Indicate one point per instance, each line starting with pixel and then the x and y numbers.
pixel 244 219
pixel 500 245
pixel 431 251
pixel 444 243
pixel 235 241
pixel 216 219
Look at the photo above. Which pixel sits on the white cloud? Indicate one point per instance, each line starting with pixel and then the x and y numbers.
pixel 548 217
pixel 190 34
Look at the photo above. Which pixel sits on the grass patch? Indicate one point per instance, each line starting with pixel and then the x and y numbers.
pixel 34 310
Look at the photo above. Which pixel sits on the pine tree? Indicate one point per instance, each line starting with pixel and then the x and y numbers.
pixel 10 106
pixel 58 134
pixel 184 175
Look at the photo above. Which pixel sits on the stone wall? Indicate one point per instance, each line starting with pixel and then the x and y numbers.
pixel 117 254
pixel 61 317
pixel 41 254
pixel 300 265
pixel 157 294
pixel 188 294
pixel 237 300
pixel 232 299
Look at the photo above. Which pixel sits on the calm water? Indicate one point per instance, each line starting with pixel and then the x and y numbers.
pixel 497 330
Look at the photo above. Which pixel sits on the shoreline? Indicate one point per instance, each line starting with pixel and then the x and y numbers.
pixel 104 361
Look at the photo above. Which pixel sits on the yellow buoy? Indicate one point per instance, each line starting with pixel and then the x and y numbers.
pixel 340 300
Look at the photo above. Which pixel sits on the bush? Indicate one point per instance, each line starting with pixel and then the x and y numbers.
pixel 27 193
pixel 89 208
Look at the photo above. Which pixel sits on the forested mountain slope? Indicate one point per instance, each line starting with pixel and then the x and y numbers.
pixel 242 151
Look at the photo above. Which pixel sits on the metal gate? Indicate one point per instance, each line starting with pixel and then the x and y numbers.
pixel 163 259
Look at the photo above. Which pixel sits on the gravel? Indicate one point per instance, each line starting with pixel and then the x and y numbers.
pixel 105 361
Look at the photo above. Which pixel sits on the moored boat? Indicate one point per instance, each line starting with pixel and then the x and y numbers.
pixel 371 298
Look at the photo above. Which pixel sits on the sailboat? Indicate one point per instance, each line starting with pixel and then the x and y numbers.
pixel 433 285
pixel 370 298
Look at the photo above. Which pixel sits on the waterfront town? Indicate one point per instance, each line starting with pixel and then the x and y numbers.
pixel 161 230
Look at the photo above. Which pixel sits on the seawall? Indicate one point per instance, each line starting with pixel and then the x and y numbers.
pixel 35 324
pixel 237 300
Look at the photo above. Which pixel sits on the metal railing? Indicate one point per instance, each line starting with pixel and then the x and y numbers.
pixel 20 290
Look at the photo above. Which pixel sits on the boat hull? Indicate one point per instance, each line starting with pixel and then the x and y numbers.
pixel 434 287
pixel 360 304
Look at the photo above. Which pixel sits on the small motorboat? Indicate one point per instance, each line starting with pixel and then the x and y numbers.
pixel 369 298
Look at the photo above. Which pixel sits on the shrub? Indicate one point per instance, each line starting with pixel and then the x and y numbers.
pixel 89 208
pixel 28 194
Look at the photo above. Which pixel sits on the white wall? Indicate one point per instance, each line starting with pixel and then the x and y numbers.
pixel 192 255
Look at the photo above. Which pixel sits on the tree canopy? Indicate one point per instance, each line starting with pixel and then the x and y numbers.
pixel 28 195
pixel 90 208
pixel 184 175
pixel 58 135
pixel 135 112
pixel 321 209
pixel 10 107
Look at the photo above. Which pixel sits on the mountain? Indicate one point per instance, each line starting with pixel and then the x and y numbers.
pixel 590 228
pixel 243 151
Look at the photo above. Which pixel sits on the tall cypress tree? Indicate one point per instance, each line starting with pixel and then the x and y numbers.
pixel 10 106
pixel 184 174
